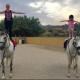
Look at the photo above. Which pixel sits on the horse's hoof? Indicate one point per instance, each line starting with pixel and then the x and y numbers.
pixel 10 75
pixel 3 77
pixel 73 68
pixel 68 76
pixel 77 76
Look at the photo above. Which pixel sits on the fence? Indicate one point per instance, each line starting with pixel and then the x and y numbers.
pixel 51 41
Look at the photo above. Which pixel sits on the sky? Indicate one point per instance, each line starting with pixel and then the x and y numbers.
pixel 48 11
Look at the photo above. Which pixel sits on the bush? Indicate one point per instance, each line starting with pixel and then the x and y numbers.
pixel 60 31
pixel 56 34
pixel 43 35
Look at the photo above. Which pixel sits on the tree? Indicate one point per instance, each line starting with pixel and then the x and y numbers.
pixel 2 25
pixel 56 34
pixel 35 26
pixel 50 30
pixel 24 26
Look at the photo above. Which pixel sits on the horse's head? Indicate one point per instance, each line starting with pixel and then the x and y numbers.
pixel 76 43
pixel 3 39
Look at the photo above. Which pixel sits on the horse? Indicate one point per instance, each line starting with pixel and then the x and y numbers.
pixel 73 50
pixel 6 51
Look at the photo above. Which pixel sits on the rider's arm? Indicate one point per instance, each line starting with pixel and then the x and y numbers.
pixel 17 12
pixel 2 12
pixel 77 22
pixel 64 21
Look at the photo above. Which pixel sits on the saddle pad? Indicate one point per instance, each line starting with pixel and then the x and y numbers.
pixel 14 42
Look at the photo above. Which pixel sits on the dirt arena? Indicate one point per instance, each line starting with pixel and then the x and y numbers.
pixel 39 62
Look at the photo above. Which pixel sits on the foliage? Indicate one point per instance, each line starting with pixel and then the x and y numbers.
pixel 24 26
pixel 43 35
pixel 50 30
pixel 60 31
pixel 56 34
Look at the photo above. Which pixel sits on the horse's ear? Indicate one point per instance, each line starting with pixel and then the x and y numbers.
pixel 6 31
pixel 75 37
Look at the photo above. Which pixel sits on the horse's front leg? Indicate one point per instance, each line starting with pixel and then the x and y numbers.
pixel 69 67
pixel 6 61
pixel 11 69
pixel 3 69
pixel 0 63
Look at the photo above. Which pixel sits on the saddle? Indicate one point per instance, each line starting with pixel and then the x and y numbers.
pixel 66 42
pixel 14 42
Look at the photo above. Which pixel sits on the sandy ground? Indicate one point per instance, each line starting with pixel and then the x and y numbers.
pixel 39 62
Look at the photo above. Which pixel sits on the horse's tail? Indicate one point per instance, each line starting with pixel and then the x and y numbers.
pixel 66 43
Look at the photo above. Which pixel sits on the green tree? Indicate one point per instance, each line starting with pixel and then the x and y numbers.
pixel 25 26
pixel 56 34
pixel 50 30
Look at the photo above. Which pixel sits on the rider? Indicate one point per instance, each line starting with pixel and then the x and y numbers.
pixel 8 21
pixel 71 25
pixel 70 28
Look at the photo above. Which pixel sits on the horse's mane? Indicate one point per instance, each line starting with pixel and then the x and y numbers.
pixel 72 40
pixel 8 40
pixel 8 36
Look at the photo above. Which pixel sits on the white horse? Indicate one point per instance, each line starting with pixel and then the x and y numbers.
pixel 73 49
pixel 6 51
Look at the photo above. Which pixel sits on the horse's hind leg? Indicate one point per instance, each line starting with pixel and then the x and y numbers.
pixel 69 67
pixel 6 61
pixel 76 66
pixel 3 69
pixel 0 61
pixel 0 64
pixel 11 69
pixel 77 76
pixel 68 75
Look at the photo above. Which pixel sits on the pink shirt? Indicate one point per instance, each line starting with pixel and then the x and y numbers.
pixel 71 24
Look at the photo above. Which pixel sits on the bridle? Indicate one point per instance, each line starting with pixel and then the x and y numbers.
pixel 74 45
pixel 4 43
